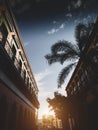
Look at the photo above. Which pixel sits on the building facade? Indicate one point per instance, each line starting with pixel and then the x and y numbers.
pixel 82 89
pixel 18 89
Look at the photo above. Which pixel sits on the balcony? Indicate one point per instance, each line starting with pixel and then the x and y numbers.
pixel 12 68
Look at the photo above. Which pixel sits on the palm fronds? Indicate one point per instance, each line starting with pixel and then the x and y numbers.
pixel 64 73
pixel 63 50
pixel 64 46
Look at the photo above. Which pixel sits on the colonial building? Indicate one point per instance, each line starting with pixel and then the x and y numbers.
pixel 82 88
pixel 18 89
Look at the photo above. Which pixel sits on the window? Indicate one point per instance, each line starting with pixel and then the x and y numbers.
pixel 27 81
pixel 13 53
pixel 24 75
pixel 4 33
pixel 72 92
pixel 20 66
pixel 30 84
pixel 1 36
pixel 78 83
pixel 95 59
pixel 86 74
pixel 75 88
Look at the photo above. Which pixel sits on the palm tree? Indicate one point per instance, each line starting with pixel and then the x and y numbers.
pixel 65 51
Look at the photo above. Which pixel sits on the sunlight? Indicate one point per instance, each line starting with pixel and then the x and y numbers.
pixel 44 110
pixel 48 112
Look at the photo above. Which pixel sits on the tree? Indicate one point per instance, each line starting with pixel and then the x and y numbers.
pixel 66 108
pixel 60 105
pixel 65 51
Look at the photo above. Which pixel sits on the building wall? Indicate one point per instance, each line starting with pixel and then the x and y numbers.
pixel 13 45
pixel 18 88
pixel 82 89
pixel 15 114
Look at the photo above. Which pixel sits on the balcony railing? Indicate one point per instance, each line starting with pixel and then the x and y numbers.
pixel 15 61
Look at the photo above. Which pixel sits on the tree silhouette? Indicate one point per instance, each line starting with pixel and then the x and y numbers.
pixel 60 105
pixel 65 51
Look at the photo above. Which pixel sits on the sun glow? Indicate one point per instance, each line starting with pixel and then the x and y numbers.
pixel 46 112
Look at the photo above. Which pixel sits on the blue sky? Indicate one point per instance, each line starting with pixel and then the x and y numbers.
pixel 37 42
pixel 41 24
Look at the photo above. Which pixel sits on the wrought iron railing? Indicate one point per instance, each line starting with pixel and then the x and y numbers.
pixel 15 61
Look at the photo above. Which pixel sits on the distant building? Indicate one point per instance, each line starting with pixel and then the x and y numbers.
pixel 82 88
pixel 18 89
pixel 50 121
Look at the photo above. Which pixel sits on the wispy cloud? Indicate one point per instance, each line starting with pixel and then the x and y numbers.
pixel 69 15
pixel 41 82
pixel 87 19
pixel 55 30
pixel 69 7
pixel 55 22
pixel 41 75
pixel 26 44
pixel 77 4
pixel 61 26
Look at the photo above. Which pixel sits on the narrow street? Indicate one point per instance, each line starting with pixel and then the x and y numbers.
pixel 49 128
